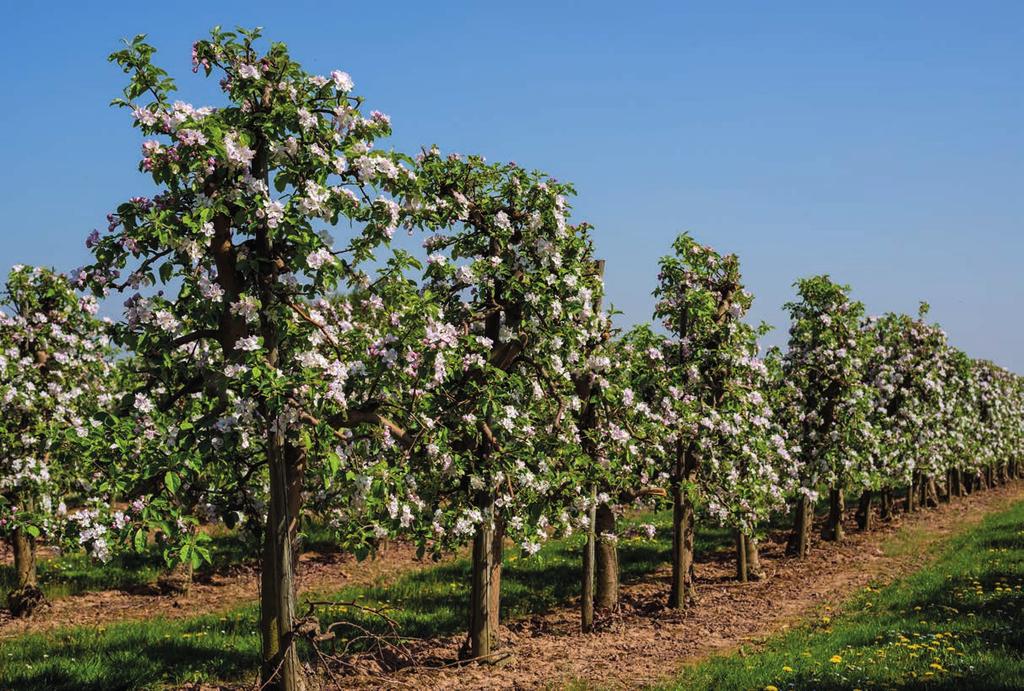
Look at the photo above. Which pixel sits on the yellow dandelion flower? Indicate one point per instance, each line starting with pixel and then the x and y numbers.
pixel 787 668
pixel 835 659
pixel 771 688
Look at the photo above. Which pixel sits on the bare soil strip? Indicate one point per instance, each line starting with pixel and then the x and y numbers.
pixel 646 643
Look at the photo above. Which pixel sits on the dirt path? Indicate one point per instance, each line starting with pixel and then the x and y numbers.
pixel 221 592
pixel 648 644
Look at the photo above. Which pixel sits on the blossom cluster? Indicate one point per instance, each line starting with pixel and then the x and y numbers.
pixel 54 366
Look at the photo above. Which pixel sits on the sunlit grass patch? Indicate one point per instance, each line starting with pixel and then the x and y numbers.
pixel 956 624
pixel 63 575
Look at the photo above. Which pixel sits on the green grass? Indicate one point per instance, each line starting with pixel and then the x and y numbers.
pixel 426 602
pixel 956 624
pixel 64 575
pixel 74 574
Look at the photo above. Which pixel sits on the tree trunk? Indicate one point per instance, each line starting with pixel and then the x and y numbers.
pixel 26 598
pixel 607 588
pixel 589 567
pixel 295 472
pixel 912 494
pixel 682 544
pixel 800 538
pixel 177 580
pixel 952 490
pixel 864 510
pixel 585 388
pixel 282 668
pixel 741 557
pixel 886 510
pixel 754 570
pixel 833 529
pixel 930 492
pixel 497 555
pixel 24 557
pixel 485 591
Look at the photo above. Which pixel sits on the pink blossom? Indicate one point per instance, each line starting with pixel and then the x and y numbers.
pixel 320 257
pixel 238 153
pixel 246 71
pixel 342 81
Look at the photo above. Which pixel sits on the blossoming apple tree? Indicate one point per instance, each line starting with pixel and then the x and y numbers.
pixel 236 236
pixel 700 301
pixel 829 404
pixel 514 290
pixel 748 469
pixel 905 371
pixel 53 361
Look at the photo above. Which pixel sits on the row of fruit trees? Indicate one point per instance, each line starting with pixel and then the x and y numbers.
pixel 266 372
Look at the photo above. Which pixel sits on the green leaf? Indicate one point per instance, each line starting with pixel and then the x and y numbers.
pixel 172 481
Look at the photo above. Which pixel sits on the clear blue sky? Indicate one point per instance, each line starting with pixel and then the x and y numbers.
pixel 881 142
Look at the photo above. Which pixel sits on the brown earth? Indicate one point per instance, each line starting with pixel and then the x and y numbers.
pixel 646 643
